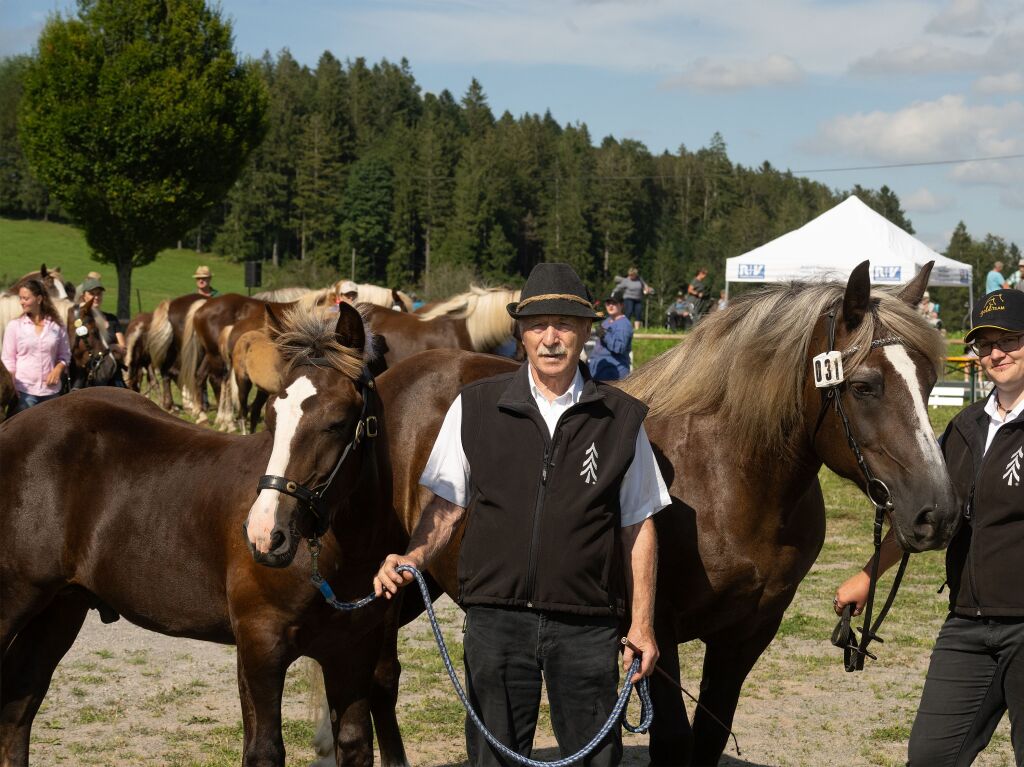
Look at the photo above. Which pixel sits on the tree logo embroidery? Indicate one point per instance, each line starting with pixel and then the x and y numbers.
pixel 589 472
pixel 1013 468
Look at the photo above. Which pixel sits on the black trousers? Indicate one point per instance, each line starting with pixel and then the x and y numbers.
pixel 976 674
pixel 507 651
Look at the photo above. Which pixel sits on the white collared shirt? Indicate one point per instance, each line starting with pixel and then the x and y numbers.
pixel 642 494
pixel 995 422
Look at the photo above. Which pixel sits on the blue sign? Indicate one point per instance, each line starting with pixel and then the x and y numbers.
pixel 965 276
pixel 886 273
pixel 751 271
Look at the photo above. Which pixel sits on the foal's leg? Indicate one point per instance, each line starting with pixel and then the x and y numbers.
pixel 384 696
pixel 257 407
pixel 671 741
pixel 347 679
pixel 727 662
pixel 27 668
pixel 262 664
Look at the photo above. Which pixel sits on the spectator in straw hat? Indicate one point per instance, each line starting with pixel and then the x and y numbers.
pixel 203 278
pixel 561 483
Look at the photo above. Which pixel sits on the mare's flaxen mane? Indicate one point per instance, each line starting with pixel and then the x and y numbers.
pixel 487 319
pixel 748 363
pixel 308 338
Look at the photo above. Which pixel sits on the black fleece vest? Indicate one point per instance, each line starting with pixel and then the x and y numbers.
pixel 983 561
pixel 543 522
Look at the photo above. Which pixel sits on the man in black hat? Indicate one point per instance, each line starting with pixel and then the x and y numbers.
pixel 976 672
pixel 559 547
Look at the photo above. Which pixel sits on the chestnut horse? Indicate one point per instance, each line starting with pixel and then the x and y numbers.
pixel 734 421
pixel 161 545
pixel 474 321
pixel 164 340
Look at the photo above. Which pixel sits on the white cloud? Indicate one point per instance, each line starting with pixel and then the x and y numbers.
pixel 925 201
pixel 1010 82
pixel 945 129
pixel 920 58
pixel 708 74
pixel 1005 173
pixel 962 18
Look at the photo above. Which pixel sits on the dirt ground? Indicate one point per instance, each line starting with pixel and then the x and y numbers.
pixel 125 696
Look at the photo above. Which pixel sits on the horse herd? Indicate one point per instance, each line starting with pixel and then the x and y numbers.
pixel 224 341
pixel 738 428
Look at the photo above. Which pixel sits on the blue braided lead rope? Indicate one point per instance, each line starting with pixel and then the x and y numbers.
pixel 618 711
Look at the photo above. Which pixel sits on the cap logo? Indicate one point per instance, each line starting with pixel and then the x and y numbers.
pixel 993 304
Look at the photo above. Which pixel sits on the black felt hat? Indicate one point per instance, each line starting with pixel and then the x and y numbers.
pixel 553 289
pixel 1000 310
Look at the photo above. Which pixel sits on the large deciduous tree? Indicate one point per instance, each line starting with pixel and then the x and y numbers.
pixel 138 117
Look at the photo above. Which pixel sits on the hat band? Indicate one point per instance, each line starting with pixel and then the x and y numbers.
pixel 553 297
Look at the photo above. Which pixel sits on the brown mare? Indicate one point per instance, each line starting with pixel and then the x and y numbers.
pixel 164 340
pixel 733 414
pixel 163 543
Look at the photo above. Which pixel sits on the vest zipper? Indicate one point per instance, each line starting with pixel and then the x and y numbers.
pixel 531 571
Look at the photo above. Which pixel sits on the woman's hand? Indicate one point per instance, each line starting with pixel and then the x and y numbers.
pixel 54 377
pixel 854 590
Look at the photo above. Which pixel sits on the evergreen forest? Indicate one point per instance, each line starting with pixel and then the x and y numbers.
pixel 363 174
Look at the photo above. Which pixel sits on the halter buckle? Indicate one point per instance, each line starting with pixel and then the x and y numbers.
pixel 371 426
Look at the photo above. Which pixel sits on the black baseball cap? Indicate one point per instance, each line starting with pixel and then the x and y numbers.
pixel 999 310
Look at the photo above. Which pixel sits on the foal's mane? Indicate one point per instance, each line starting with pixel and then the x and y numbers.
pixel 748 363
pixel 307 337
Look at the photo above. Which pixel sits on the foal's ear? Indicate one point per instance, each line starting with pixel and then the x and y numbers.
pixel 273 321
pixel 42 271
pixel 914 290
pixel 350 330
pixel 858 296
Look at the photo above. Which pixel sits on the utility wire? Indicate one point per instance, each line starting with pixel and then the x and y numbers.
pixel 911 164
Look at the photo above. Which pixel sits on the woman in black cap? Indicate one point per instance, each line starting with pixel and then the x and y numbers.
pixel 976 673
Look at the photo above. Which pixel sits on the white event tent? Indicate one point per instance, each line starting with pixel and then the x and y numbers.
pixel 830 246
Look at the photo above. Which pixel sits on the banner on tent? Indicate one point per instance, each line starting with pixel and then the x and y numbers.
pixel 887 274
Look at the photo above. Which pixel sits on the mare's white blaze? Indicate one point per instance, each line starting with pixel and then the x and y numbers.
pixel 289 412
pixel 924 435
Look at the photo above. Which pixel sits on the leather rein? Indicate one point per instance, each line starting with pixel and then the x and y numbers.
pixel 313 499
pixel 843 635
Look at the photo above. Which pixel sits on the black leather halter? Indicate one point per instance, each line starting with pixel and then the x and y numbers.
pixel 313 498
pixel 843 636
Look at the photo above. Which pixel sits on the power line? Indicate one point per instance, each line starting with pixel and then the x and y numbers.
pixel 912 164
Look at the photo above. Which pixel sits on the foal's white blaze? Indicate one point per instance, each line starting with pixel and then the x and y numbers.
pixel 289 412
pixel 926 441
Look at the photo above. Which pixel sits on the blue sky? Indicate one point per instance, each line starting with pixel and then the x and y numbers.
pixel 803 84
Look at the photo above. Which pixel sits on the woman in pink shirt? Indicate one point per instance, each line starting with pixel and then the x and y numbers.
pixel 36 349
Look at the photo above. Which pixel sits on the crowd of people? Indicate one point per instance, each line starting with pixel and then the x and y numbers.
pixel 37 345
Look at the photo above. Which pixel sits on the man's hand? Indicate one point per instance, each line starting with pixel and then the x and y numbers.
pixel 388 580
pixel 641 638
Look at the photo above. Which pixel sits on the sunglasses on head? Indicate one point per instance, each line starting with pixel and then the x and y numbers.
pixel 1005 344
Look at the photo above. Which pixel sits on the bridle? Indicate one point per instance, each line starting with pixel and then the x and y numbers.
pixel 829 377
pixel 95 357
pixel 313 499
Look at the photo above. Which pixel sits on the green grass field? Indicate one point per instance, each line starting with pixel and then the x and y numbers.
pixel 24 245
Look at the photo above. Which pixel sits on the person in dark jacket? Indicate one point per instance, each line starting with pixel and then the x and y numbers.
pixel 976 673
pixel 560 483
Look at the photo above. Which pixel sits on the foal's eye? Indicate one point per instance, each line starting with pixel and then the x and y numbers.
pixel 862 388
